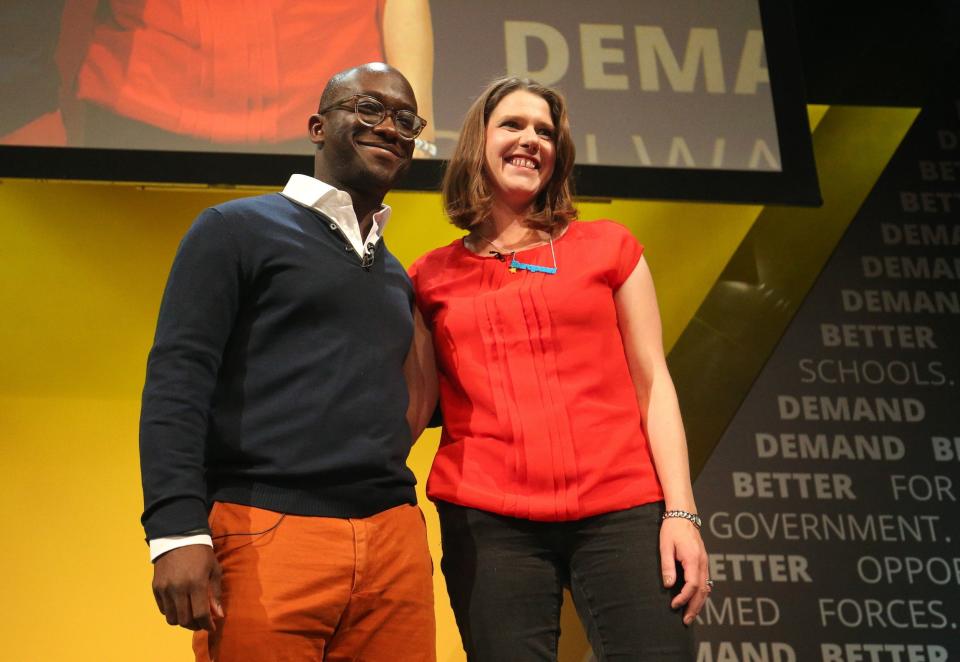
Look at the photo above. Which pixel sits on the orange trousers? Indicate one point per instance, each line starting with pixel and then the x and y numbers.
pixel 300 589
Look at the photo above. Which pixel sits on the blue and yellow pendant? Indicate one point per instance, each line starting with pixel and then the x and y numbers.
pixel 516 264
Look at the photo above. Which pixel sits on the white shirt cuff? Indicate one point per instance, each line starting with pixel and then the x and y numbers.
pixel 164 545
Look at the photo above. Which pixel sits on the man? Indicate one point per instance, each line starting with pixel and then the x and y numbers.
pixel 275 393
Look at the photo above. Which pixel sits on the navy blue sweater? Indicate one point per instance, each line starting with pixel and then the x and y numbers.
pixel 276 375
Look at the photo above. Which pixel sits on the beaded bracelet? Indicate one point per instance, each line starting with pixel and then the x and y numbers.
pixel 693 518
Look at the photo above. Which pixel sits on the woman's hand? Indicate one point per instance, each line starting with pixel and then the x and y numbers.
pixel 680 542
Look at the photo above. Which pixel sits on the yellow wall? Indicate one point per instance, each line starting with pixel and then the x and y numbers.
pixel 82 267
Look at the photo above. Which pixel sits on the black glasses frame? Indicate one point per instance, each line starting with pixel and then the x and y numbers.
pixel 384 111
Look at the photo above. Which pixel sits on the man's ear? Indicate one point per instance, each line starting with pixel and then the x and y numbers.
pixel 315 129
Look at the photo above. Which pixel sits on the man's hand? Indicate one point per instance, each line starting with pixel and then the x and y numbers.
pixel 186 585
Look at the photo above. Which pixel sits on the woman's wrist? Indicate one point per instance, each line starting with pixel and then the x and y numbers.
pixel 690 516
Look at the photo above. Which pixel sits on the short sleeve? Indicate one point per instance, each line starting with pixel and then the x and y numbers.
pixel 429 271
pixel 629 251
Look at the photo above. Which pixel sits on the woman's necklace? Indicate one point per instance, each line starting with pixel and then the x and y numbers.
pixel 516 264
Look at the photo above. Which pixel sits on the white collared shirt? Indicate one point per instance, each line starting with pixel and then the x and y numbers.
pixel 338 207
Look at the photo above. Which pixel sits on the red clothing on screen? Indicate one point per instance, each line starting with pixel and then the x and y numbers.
pixel 226 71
pixel 540 414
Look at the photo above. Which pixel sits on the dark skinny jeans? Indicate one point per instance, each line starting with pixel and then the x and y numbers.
pixel 505 577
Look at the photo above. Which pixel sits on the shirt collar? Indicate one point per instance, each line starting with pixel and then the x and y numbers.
pixel 338 207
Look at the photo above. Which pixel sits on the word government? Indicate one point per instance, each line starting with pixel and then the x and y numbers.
pixel 845 527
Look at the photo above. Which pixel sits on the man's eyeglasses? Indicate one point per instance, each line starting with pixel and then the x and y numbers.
pixel 371 112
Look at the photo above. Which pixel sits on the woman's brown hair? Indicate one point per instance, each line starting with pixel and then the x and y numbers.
pixel 466 193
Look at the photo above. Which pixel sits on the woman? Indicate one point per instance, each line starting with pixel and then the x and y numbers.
pixel 563 459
